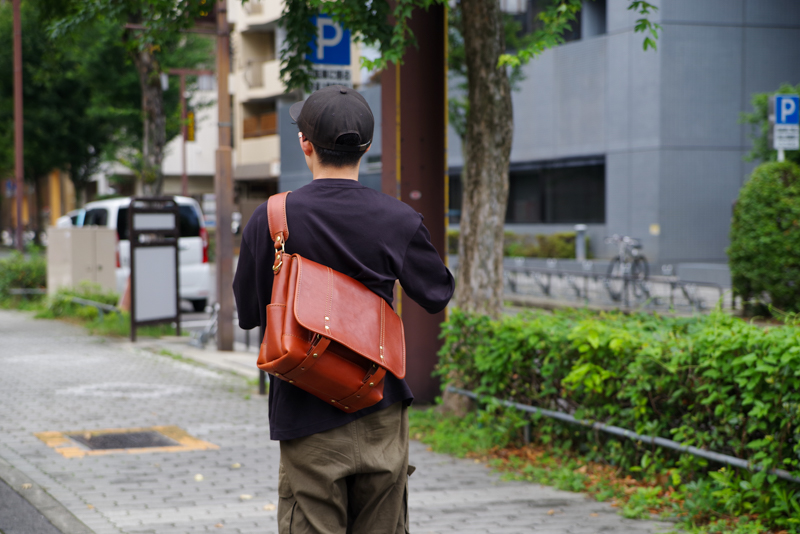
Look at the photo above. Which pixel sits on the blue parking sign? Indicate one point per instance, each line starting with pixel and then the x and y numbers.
pixel 787 109
pixel 331 45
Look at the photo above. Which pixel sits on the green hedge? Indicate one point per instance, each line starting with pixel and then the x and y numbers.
pixel 714 382
pixel 21 272
pixel 765 238
pixel 559 246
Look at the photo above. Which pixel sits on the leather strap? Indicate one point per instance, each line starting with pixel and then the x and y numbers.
pixel 276 217
pixel 369 383
pixel 314 355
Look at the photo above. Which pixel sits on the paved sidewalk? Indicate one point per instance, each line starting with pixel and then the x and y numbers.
pixel 55 378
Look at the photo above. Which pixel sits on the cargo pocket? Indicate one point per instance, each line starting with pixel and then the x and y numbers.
pixel 286 503
pixel 405 505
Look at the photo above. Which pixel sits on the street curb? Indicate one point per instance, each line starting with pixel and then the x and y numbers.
pixel 240 363
pixel 54 511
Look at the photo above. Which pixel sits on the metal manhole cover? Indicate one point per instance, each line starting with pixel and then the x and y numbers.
pixel 77 444
pixel 124 440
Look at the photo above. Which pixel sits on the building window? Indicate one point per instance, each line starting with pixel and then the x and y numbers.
pixel 593 18
pixel 554 194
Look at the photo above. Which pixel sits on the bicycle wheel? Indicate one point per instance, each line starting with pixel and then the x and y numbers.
pixel 639 273
pixel 615 282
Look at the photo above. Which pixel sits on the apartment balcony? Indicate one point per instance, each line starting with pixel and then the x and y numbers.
pixel 258 13
pixel 260 125
pixel 259 150
pixel 260 80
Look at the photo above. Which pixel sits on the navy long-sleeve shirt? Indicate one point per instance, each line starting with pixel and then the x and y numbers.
pixel 362 233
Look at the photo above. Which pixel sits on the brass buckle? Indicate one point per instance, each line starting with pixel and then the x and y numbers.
pixel 279 254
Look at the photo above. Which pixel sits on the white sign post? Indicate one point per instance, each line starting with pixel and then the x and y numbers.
pixel 784 116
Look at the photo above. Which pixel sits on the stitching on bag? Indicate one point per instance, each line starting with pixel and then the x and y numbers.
pixel 383 327
pixel 285 219
pixel 330 293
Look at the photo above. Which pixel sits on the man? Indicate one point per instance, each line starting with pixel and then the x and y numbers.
pixel 341 473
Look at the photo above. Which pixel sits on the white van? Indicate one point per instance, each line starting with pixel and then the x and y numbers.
pixel 193 244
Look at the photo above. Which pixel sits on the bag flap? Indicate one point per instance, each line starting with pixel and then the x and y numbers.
pixel 338 307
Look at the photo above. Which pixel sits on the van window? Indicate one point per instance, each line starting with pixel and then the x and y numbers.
pixel 122 224
pixel 189 222
pixel 96 217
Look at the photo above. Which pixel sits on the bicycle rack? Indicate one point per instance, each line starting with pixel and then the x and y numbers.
pixel 543 278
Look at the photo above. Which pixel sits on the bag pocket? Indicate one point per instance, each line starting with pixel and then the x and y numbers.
pixel 275 316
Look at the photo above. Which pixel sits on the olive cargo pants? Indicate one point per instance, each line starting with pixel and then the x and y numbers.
pixel 347 480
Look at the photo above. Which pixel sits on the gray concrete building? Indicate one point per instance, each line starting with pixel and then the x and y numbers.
pixel 627 141
pixel 647 143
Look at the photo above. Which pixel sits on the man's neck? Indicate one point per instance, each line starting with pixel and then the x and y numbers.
pixel 345 173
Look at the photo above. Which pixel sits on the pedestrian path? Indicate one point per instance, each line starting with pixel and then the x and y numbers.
pixel 56 379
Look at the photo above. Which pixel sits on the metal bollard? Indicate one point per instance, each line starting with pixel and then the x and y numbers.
pixel 580 242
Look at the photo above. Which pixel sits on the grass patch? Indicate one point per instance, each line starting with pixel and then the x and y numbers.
pixel 60 306
pixel 119 325
pixel 700 506
pixel 33 303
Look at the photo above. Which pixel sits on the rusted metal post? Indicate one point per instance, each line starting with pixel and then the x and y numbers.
pixel 223 186
pixel 19 167
pixel 414 130
pixel 184 177
pixel 184 133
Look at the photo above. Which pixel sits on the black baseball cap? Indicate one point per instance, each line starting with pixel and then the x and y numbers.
pixel 332 112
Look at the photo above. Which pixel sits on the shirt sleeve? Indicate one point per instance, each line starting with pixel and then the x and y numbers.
pixel 244 289
pixel 424 276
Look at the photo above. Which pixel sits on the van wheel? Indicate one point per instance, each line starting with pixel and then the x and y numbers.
pixel 199 305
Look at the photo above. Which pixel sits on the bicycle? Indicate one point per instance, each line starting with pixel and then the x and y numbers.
pixel 628 266
pixel 209 331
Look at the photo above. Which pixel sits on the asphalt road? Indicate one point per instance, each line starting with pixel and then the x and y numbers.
pixel 18 516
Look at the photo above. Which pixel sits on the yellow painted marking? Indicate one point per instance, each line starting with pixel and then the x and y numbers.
pixel 60 442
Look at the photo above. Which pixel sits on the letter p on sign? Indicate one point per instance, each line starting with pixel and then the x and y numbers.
pixel 787 109
pixel 331 44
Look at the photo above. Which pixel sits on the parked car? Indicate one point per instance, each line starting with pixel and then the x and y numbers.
pixel 193 244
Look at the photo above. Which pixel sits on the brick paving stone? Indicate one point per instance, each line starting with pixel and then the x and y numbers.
pixel 57 378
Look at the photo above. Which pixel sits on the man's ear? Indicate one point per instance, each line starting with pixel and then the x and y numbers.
pixel 305 145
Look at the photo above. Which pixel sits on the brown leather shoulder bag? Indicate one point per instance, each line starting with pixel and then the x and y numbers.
pixel 327 333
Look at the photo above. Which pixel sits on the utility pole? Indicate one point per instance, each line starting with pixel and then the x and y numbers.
pixel 414 145
pixel 18 146
pixel 223 186
pixel 183 73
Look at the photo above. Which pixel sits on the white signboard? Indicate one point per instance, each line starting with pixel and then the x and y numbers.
pixel 786 137
pixel 325 76
pixel 155 283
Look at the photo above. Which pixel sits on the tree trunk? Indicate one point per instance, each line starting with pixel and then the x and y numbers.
pixel 488 138
pixel 486 148
pixel 155 121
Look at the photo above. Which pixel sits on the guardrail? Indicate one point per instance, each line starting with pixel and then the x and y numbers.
pixel 97 305
pixel 630 434
pixel 27 291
